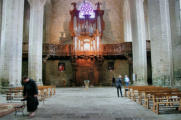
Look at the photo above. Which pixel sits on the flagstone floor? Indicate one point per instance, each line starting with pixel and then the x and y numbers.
pixel 92 104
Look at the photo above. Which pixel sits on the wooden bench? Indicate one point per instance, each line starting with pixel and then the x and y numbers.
pixel 133 91
pixel 44 92
pixel 129 91
pixel 48 91
pixel 172 100
pixel 158 96
pixel 15 95
pixel 147 95
pixel 143 93
pixel 7 108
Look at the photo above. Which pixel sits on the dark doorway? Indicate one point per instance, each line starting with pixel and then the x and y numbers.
pixel 86 70
pixel 149 68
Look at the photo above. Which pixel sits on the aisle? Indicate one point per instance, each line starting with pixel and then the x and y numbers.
pixel 91 104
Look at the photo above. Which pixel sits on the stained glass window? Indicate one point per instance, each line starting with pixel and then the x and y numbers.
pixel 86 8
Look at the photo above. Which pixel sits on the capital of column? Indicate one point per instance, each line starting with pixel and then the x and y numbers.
pixel 37 2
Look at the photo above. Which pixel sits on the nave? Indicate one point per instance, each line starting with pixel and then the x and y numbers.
pixel 92 104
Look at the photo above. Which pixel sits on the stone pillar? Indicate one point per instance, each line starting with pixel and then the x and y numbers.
pixel 48 21
pixel 139 41
pixel 127 22
pixel 36 40
pixel 1 2
pixel 0 28
pixel 11 42
pixel 176 40
pixel 161 44
pixel 146 19
pixel 180 10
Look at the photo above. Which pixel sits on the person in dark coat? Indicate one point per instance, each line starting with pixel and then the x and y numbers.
pixel 113 81
pixel 30 93
pixel 118 85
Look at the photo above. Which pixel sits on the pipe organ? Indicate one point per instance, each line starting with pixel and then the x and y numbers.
pixel 86 27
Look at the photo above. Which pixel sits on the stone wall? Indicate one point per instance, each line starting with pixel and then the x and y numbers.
pixel 120 67
pixel 58 10
pixel 54 77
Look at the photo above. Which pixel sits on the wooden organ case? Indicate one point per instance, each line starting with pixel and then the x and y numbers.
pixel 86 27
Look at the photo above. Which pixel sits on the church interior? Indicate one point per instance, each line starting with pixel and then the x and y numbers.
pixel 62 43
pixel 92 40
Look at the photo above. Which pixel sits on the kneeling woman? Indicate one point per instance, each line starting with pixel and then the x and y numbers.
pixel 30 94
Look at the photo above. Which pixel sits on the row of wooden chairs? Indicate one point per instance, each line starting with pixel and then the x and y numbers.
pixel 45 92
pixel 15 94
pixel 154 97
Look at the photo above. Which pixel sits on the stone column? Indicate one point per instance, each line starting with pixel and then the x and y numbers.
pixel 11 42
pixel 127 22
pixel 180 10
pixel 36 40
pixel 139 41
pixel 48 21
pixel 0 28
pixel 1 2
pixel 146 19
pixel 175 22
pixel 161 44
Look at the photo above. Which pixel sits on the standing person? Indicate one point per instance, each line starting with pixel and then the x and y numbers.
pixel 126 80
pixel 30 93
pixel 113 81
pixel 118 85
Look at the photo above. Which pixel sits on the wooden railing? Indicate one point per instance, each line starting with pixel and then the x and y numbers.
pixel 117 49
pixel 68 50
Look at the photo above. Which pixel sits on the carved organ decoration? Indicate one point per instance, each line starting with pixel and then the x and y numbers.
pixel 86 27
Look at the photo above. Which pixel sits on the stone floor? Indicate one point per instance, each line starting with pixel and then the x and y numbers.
pixel 92 104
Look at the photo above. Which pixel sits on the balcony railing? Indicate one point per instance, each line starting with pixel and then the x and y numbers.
pixel 68 50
